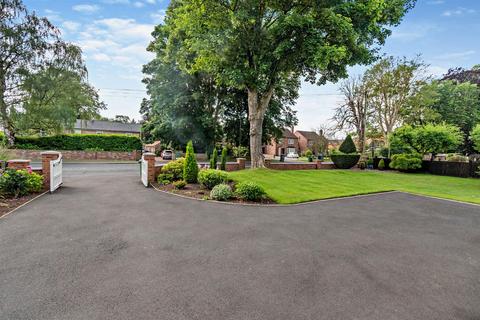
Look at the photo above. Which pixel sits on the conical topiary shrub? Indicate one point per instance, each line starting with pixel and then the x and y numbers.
pixel 223 159
pixel 348 146
pixel 213 159
pixel 190 170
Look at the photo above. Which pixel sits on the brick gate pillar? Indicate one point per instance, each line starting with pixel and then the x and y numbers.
pixel 241 163
pixel 150 158
pixel 18 164
pixel 48 156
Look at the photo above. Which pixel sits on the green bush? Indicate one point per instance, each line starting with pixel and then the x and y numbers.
pixel 475 136
pixel 223 159
pixel 190 170
pixel 20 182
pixel 213 159
pixel 345 161
pixel 348 146
pixel 362 165
pixel 249 191
pixel 308 153
pixel 180 184
pixel 209 178
pixel 221 192
pixel 381 164
pixel 406 162
pixel 106 142
pixel 34 181
pixel 173 169
pixel 165 178
pixel 457 158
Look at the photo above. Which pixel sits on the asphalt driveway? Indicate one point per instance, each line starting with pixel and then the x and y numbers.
pixel 105 247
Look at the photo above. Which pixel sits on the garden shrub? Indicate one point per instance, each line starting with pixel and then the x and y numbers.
pixel 221 192
pixel 475 136
pixel 457 158
pixel 362 165
pixel 180 184
pixel 249 191
pixel 173 170
pixel 213 159
pixel 344 161
pixel 106 142
pixel 190 169
pixel 348 146
pixel 34 181
pixel 165 178
pixel 381 164
pixel 20 182
pixel 209 178
pixel 406 162
pixel 223 159
pixel 240 151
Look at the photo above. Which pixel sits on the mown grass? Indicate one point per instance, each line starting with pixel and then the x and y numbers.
pixel 306 185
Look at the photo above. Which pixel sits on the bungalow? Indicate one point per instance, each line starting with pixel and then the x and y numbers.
pixel 310 140
pixel 288 142
pixel 105 126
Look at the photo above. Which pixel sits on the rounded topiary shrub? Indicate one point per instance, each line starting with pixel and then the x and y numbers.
pixel 209 178
pixel 345 161
pixel 249 191
pixel 174 169
pixel 221 192
pixel 406 162
pixel 179 185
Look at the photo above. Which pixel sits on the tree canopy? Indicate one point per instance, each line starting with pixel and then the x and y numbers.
pixel 42 78
pixel 253 45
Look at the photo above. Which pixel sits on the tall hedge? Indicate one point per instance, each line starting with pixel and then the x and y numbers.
pixel 99 142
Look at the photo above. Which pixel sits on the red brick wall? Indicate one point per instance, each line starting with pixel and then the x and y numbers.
pixel 78 155
pixel 291 166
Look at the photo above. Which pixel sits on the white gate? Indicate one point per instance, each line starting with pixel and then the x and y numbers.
pixel 56 178
pixel 144 171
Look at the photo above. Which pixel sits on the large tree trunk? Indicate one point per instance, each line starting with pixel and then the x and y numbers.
pixel 257 107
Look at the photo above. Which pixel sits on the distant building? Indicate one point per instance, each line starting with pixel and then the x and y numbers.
pixel 288 142
pixel 334 144
pixel 106 127
pixel 310 140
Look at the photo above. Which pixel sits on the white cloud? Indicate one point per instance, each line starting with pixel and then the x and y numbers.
pixel 86 8
pixel 435 2
pixel 116 1
pixel 458 12
pixel 158 17
pixel 138 4
pixel 71 26
pixel 102 57
pixel 455 55
pixel 52 15
pixel 413 31
pixel 436 71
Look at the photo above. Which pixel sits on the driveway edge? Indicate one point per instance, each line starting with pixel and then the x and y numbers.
pixel 23 204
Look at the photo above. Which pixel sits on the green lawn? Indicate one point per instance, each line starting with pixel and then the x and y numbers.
pixel 306 185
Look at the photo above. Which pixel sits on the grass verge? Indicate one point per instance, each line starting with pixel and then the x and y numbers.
pixel 306 185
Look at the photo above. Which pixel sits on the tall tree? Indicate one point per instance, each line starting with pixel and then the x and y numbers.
pixel 25 41
pixel 253 44
pixel 57 93
pixel 185 107
pixel 354 113
pixel 391 83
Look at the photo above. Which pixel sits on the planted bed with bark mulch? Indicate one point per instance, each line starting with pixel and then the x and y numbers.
pixel 196 191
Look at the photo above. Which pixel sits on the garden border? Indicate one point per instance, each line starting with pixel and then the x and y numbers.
pixel 24 204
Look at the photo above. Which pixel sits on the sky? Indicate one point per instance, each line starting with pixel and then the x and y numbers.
pixel 113 35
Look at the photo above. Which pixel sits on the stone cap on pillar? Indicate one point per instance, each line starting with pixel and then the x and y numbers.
pixel 18 161
pixel 47 153
pixel 149 155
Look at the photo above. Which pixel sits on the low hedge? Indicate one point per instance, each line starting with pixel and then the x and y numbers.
pixel 98 142
pixel 345 161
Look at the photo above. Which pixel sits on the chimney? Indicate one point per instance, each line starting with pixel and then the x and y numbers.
pixel 321 132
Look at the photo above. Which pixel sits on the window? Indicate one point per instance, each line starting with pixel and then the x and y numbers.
pixel 291 150
pixel 310 143
pixel 290 141
pixel 280 141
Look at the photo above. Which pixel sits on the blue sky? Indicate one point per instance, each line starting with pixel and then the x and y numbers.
pixel 114 34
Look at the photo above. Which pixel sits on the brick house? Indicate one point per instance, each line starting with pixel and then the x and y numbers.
pixel 107 127
pixel 310 140
pixel 288 142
